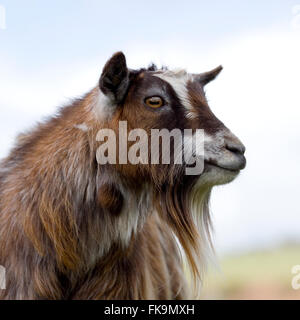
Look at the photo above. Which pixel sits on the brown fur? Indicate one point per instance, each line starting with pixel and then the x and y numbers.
pixel 48 228
pixel 65 220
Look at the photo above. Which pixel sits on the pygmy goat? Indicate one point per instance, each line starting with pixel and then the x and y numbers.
pixel 75 227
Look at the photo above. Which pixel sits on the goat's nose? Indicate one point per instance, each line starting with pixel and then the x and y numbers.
pixel 235 146
pixel 236 159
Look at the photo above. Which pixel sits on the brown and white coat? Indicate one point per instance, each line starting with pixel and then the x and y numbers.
pixel 73 229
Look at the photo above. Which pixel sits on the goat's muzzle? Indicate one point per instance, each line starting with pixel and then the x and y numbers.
pixel 230 154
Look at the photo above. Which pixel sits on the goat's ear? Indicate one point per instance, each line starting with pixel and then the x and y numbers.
pixel 206 77
pixel 114 80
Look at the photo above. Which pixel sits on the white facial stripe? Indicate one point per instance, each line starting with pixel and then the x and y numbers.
pixel 178 79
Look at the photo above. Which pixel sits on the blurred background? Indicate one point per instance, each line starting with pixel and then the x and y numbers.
pixel 53 51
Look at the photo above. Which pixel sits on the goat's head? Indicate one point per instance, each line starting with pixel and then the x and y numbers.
pixel 162 99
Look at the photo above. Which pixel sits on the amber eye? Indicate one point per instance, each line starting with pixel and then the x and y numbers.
pixel 154 102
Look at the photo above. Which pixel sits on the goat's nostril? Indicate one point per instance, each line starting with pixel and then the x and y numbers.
pixel 235 147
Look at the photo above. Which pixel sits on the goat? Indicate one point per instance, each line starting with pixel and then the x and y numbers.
pixel 71 228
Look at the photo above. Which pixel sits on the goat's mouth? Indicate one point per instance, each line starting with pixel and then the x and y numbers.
pixel 211 165
pixel 230 162
pixel 215 174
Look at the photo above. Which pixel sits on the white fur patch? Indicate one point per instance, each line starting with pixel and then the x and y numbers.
pixel 103 106
pixel 199 206
pixel 83 127
pixel 133 215
pixel 178 79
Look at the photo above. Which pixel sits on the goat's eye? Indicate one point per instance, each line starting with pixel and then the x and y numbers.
pixel 154 102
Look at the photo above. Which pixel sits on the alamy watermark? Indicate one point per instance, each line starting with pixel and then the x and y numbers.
pixel 2 17
pixel 2 278
pixel 296 279
pixel 165 147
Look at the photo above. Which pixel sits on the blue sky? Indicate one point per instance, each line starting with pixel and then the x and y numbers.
pixel 43 33
pixel 53 51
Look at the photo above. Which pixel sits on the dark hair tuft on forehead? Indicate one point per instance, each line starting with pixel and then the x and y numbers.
pixel 152 67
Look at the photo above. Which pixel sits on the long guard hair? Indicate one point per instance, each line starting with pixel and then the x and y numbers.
pixel 71 228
